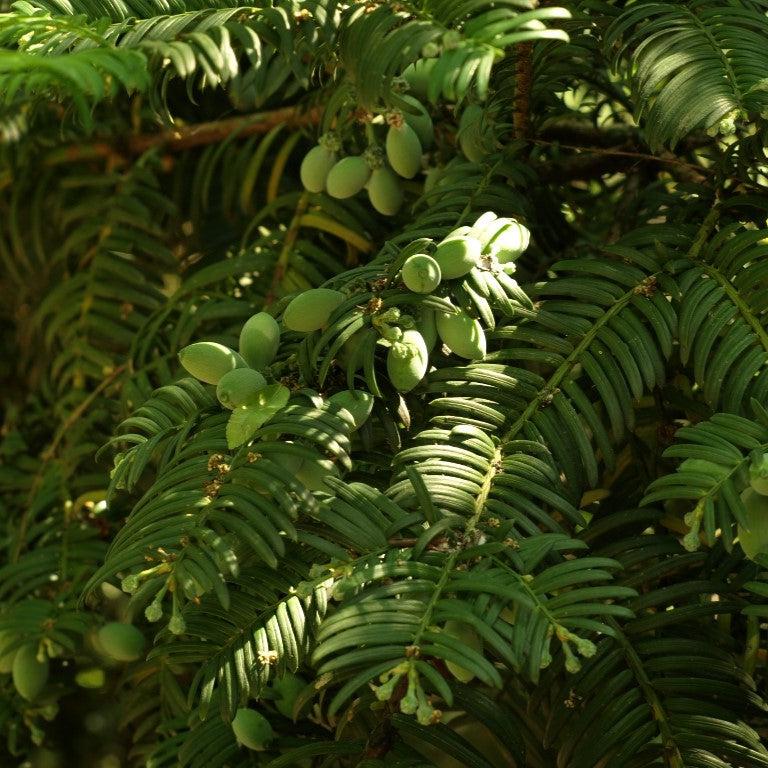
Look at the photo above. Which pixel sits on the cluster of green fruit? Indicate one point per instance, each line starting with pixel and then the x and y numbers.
pixel 237 375
pixel 491 243
pixel 409 132
pixel 28 662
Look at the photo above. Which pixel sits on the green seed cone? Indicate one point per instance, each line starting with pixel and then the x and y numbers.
pixel 121 642
pixel 754 538
pixel 287 690
pixel 209 361
pixel 407 361
pixel 404 150
pixel 315 167
pixel 420 122
pixel 471 639
pixel 259 340
pixel 252 729
pixel 421 273
pixel 310 310
pixel 456 255
pixel 358 403
pixel 758 476
pixel 237 387
pixel 418 75
pixel 385 192
pixel 29 674
pixel 348 177
pixel 7 652
pixel 462 334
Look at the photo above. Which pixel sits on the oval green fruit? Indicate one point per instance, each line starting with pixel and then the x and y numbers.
pixel 121 642
pixel 468 637
pixel 252 729
pixel 7 652
pixel 418 75
pixel 385 192
pixel 462 334
pixel 287 690
pixel 456 255
pixel 237 387
pixel 421 122
pixel 508 242
pixel 427 325
pixel 421 273
pixel 348 177
pixel 310 310
pixel 403 150
pixel 209 361
pixel 92 678
pixel 259 340
pixel 432 178
pixel 758 475
pixel 312 474
pixel 754 538
pixel 315 167
pixel 358 403
pixel 407 361
pixel 475 134
pixel 29 674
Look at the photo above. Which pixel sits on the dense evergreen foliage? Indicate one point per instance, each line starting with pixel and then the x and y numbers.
pixel 536 532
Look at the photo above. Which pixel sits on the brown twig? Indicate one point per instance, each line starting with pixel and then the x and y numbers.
pixel 188 136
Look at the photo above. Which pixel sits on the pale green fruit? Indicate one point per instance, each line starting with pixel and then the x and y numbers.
pixel 287 690
pixel 403 150
pixel 758 476
pixel 407 361
pixel 259 340
pixel 237 387
pixel 475 134
pixel 456 255
pixel 121 642
pixel 348 176
pixel 418 76
pixel 754 538
pixel 385 192
pixel 7 654
pixel 310 310
pixel 421 273
pixel 359 404
pixel 29 674
pixel 315 167
pixel 312 474
pixel 471 639
pixel 209 361
pixel 462 334
pixel 420 122
pixel 252 729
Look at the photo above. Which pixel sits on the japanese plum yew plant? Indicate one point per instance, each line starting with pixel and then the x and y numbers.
pixel 384 384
